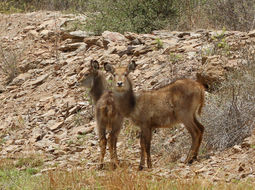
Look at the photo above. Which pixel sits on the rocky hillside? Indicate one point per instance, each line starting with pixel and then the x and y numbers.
pixel 44 111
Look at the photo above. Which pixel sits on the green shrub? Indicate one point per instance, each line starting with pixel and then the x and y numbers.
pixel 135 16
pixel 10 6
pixel 144 16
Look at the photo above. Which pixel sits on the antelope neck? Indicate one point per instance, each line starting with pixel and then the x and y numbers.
pixel 98 88
pixel 126 100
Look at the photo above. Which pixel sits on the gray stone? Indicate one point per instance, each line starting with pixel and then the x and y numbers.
pixel 56 126
pixel 39 80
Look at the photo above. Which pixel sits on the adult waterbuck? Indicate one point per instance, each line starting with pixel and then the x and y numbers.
pixel 178 102
pixel 107 117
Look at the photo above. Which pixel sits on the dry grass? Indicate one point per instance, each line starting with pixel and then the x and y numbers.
pixel 229 112
pixel 208 14
pixel 120 180
pixel 9 63
pixel 124 178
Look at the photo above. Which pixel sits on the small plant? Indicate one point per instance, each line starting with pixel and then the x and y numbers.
pixel 9 64
pixel 220 44
pixel 70 142
pixel 78 119
pixel 8 7
pixel 74 25
pixel 174 58
pixel 87 97
pixel 32 171
pixel 2 141
pixel 207 51
pixel 31 161
pixel 20 122
pixel 159 44
pixel 130 130
pixel 81 138
pixel 110 82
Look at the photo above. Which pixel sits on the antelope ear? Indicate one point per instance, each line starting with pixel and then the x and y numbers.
pixel 94 64
pixel 108 68
pixel 131 66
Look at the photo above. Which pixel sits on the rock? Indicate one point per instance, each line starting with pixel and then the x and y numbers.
pixel 25 66
pixel 122 50
pixel 46 34
pixel 13 148
pixel 113 36
pixel 248 142
pixel 237 148
pixel 131 36
pixel 39 80
pixel 33 34
pixel 49 23
pixel 134 38
pixel 28 28
pixel 56 126
pixel 37 134
pixel 49 113
pixel 2 88
pixel 183 34
pixel 20 79
pixel 75 36
pixel 251 33
pixel 231 64
pixel 93 40
pixel 142 49
pixel 71 47
pixel 136 42
pixel 20 141
pixel 79 35
pixel 82 130
pixel 110 58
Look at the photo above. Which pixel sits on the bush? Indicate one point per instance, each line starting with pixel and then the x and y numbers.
pixel 232 14
pixel 10 6
pixel 9 64
pixel 141 16
pixel 229 114
pixel 144 16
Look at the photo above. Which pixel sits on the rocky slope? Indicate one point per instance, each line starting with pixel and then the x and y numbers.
pixel 44 111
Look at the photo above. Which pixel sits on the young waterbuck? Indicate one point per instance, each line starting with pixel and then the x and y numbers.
pixel 107 117
pixel 178 102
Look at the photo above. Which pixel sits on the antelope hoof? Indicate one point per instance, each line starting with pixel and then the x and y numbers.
pixel 113 166
pixel 140 168
pixel 100 167
pixel 190 161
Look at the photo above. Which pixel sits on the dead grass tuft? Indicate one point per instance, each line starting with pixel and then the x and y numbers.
pixel 229 113
pixel 9 64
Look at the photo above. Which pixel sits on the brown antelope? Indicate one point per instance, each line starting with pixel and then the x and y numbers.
pixel 178 102
pixel 107 117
